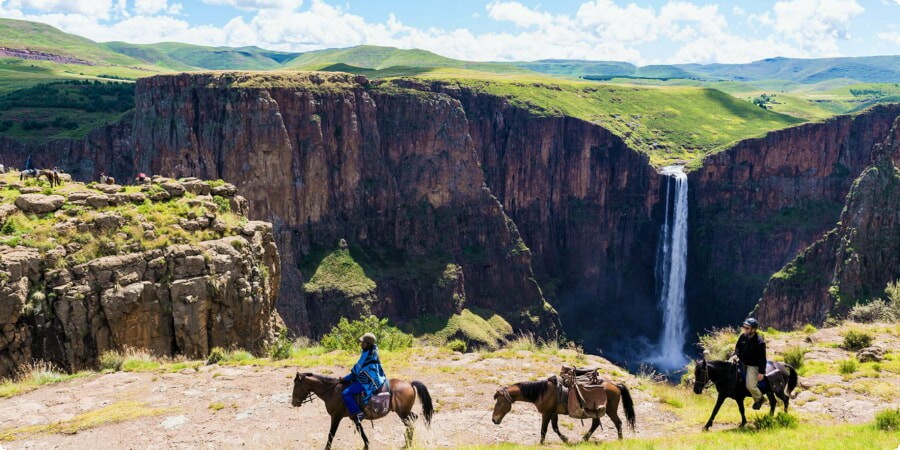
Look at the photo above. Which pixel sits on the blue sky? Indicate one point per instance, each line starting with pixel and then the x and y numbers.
pixel 641 32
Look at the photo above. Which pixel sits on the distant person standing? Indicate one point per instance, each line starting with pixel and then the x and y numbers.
pixel 751 351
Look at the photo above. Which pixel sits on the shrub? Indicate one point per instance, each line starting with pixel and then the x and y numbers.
pixel 877 310
pixel 111 360
pixel 794 356
pixel 848 366
pixel 855 340
pixel 345 335
pixel 780 420
pixel 888 420
pixel 719 342
pixel 216 355
pixel 457 345
pixel 281 348
pixel 809 329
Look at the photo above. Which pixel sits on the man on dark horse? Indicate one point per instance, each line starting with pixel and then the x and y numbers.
pixel 366 377
pixel 751 352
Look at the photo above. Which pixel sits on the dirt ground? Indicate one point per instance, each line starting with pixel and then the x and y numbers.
pixel 227 407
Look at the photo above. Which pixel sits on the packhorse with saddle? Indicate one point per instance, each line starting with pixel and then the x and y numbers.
pixel 578 393
pixel 747 374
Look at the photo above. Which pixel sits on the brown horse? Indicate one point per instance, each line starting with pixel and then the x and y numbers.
pixel 104 179
pixel 52 175
pixel 403 396
pixel 544 396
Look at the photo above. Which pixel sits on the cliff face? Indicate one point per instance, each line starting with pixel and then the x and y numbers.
pixel 854 261
pixel 83 271
pixel 755 206
pixel 585 205
pixel 393 172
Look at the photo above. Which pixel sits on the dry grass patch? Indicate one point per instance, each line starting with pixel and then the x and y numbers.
pixel 116 412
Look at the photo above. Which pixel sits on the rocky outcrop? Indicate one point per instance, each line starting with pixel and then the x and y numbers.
pixel 755 206
pixel 854 261
pixel 171 278
pixel 391 171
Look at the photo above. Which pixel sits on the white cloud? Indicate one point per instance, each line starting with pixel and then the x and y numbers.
pixel 738 11
pixel 892 36
pixel 597 29
pixel 258 4
pixel 816 25
pixel 151 7
pixel 89 8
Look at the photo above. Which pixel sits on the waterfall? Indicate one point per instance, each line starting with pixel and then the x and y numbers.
pixel 671 270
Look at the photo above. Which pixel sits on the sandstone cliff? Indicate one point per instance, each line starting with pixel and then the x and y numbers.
pixel 851 263
pixel 169 267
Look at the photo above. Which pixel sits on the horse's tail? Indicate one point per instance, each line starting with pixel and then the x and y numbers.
pixel 627 404
pixel 425 398
pixel 792 379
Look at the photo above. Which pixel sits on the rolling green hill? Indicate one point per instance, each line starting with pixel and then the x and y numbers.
pixel 182 57
pixel 380 58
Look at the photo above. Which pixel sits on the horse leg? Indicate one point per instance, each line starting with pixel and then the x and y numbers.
pixel 335 421
pixel 614 416
pixel 741 409
pixel 545 420
pixel 594 424
pixel 719 402
pixel 784 398
pixel 772 403
pixel 362 433
pixel 410 421
pixel 554 420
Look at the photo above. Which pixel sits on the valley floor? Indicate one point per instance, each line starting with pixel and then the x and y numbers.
pixel 245 403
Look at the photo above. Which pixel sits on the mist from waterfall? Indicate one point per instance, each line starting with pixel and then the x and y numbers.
pixel 671 271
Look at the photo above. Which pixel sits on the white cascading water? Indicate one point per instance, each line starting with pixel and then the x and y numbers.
pixel 671 270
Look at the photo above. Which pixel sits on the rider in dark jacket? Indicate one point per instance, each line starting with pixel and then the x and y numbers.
pixel 751 351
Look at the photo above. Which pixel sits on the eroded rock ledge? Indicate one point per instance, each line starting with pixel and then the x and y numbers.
pixel 173 267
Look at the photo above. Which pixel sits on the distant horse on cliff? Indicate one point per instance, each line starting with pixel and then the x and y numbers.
pixel 104 179
pixel 545 397
pixel 52 175
pixel 402 398
pixel 725 375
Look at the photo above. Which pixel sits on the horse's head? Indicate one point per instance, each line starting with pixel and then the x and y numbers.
pixel 301 391
pixel 502 405
pixel 701 375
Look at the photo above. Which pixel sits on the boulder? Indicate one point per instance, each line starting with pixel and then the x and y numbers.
pixel 195 186
pixel 39 203
pixel 97 201
pixel 107 188
pixel 870 354
pixel 225 190
pixel 174 188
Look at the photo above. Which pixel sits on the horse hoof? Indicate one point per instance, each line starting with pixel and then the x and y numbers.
pixel 706 428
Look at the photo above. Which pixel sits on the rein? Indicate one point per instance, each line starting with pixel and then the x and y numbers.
pixel 309 396
pixel 709 380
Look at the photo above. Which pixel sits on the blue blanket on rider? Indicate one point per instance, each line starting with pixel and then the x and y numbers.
pixel 764 384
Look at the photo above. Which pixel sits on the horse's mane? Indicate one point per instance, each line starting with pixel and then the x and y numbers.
pixel 533 390
pixel 323 378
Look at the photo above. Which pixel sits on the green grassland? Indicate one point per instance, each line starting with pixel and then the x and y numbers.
pixel 670 124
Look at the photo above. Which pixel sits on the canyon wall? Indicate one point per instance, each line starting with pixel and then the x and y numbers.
pixel 756 205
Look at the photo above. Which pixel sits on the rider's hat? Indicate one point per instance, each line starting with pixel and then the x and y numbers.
pixel 752 323
pixel 368 338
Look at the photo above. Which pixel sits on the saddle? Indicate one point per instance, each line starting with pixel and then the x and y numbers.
pixel 772 368
pixel 379 404
pixel 586 396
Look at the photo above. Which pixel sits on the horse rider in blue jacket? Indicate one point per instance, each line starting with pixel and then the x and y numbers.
pixel 367 376
pixel 751 351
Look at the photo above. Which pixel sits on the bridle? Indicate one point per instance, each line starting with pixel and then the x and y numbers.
pixel 308 398
pixel 709 380
pixel 506 396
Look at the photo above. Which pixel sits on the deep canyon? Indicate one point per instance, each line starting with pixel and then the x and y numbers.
pixel 453 198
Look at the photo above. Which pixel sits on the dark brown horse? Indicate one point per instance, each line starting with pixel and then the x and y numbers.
pixel 403 396
pixel 544 395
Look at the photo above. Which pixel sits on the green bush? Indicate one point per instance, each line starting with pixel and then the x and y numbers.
pixel 780 420
pixel 794 356
pixel 809 329
pixel 888 420
pixel 216 355
pixel 345 335
pixel 848 366
pixel 855 340
pixel 457 345
pixel 111 360
pixel 281 348
pixel 719 342
pixel 877 310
